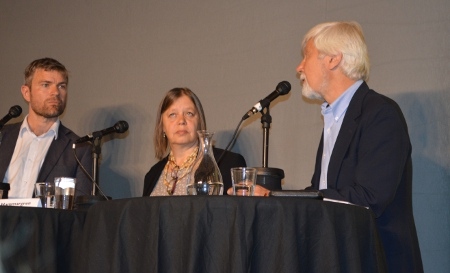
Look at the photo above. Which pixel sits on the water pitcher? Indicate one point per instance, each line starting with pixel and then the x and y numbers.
pixel 207 179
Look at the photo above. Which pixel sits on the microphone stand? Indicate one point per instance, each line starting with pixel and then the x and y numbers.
pixel 96 151
pixel 85 201
pixel 269 178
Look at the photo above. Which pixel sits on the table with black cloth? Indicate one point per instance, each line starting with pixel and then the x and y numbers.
pixel 39 239
pixel 229 234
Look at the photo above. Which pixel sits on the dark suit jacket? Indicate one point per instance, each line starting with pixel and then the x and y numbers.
pixel 59 161
pixel 230 160
pixel 371 166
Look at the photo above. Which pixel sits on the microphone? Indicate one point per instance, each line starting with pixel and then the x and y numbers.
pixel 14 112
pixel 119 127
pixel 282 89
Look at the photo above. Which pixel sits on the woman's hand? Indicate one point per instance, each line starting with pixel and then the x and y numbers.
pixel 258 191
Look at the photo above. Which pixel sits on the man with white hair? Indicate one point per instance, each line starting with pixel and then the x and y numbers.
pixel 364 155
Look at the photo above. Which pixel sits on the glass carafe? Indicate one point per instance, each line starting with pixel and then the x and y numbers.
pixel 206 178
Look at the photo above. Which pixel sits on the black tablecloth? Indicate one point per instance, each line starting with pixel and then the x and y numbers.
pixel 229 234
pixel 39 239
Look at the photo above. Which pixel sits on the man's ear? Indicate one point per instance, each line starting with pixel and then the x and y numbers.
pixel 25 93
pixel 334 61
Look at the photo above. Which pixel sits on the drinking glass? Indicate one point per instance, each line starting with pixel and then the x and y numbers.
pixel 46 192
pixel 244 180
pixel 65 192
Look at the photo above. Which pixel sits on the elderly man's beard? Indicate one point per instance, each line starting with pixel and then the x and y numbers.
pixel 307 91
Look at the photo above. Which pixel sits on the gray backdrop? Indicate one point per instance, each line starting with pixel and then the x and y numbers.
pixel 124 55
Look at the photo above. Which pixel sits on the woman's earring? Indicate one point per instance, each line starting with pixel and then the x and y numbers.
pixel 164 134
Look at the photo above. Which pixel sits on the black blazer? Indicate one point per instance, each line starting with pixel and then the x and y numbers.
pixel 59 161
pixel 230 160
pixel 371 166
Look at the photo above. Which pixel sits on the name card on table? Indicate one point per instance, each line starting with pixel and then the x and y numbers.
pixel 28 202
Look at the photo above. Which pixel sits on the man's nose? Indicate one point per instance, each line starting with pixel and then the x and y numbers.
pixel 55 90
pixel 300 67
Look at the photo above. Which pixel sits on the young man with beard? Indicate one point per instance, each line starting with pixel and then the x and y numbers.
pixel 40 148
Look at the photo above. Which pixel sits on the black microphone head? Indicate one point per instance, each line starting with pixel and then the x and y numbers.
pixel 283 87
pixel 121 126
pixel 15 111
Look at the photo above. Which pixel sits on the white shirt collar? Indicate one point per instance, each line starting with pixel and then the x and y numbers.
pixel 53 131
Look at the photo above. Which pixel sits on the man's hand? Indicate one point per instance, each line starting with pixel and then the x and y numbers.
pixel 259 191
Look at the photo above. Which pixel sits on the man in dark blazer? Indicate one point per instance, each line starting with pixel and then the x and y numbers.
pixel 364 156
pixel 45 91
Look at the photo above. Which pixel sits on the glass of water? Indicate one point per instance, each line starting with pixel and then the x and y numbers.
pixel 244 180
pixel 46 192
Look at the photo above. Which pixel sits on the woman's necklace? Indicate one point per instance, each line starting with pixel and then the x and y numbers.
pixel 171 182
